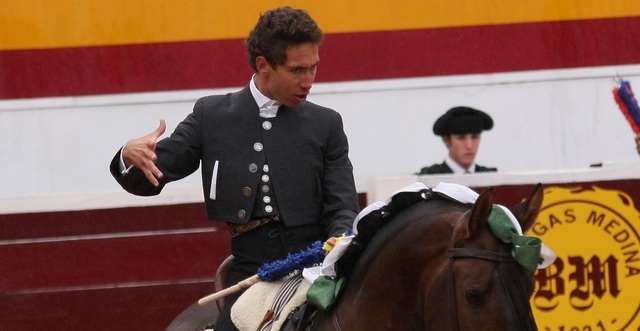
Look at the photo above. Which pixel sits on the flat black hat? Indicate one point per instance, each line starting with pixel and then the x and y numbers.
pixel 461 120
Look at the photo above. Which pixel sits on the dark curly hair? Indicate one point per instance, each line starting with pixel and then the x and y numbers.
pixel 277 30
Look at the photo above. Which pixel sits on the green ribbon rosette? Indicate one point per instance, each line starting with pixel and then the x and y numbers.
pixel 526 250
pixel 324 291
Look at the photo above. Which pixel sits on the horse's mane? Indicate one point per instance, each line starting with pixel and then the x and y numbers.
pixel 370 226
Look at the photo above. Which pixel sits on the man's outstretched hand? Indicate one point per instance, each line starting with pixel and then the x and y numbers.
pixel 141 154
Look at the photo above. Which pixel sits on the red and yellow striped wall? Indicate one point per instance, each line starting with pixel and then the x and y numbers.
pixel 74 47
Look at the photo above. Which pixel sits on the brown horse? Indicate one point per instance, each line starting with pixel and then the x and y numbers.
pixel 434 265
pixel 437 266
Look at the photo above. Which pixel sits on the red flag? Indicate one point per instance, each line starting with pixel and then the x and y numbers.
pixel 628 105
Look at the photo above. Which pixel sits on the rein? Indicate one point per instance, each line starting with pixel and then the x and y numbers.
pixel 455 253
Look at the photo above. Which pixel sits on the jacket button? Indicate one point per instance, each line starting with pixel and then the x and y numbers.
pixel 266 125
pixel 257 147
pixel 241 214
pixel 253 168
pixel 246 191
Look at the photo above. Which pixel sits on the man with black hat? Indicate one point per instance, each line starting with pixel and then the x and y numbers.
pixel 460 129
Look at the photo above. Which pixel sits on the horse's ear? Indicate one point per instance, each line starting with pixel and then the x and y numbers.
pixel 527 211
pixel 479 213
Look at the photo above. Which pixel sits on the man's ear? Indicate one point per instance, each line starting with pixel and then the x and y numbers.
pixel 447 141
pixel 262 64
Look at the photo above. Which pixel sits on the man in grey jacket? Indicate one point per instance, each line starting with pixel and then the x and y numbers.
pixel 275 166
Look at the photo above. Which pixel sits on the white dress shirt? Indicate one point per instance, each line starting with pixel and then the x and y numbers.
pixel 458 169
pixel 268 108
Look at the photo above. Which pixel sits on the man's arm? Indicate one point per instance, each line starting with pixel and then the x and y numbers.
pixel 340 196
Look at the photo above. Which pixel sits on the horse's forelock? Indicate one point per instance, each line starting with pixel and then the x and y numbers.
pixel 518 288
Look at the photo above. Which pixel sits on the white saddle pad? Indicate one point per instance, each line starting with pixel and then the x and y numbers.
pixel 252 306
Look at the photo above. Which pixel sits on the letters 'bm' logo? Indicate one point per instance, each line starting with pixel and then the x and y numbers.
pixel 594 284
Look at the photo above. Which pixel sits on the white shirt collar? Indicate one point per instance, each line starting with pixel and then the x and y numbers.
pixel 458 169
pixel 268 108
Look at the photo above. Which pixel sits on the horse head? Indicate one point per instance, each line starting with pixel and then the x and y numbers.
pixel 435 264
pixel 490 288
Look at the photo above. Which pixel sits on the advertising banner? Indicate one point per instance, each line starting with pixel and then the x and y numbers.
pixel 594 284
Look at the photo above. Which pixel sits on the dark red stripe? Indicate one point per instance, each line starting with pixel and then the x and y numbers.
pixel 349 56
pixel 481 49
pixel 127 308
pixel 122 69
pixel 117 260
pixel 131 250
pixel 105 221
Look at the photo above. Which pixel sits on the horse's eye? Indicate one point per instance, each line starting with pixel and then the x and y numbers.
pixel 474 298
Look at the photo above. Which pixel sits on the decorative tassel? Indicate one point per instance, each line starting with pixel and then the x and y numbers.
pixel 279 269
pixel 628 104
pixel 273 271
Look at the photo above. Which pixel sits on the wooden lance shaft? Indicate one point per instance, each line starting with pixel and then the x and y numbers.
pixel 241 285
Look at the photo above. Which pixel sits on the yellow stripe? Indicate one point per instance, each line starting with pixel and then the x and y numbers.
pixel 36 24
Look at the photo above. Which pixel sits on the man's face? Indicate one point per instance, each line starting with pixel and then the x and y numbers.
pixel 463 147
pixel 290 82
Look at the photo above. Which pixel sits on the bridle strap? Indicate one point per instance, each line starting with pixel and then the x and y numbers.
pixel 457 253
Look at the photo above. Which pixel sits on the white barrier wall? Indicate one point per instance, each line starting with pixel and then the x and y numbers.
pixel 381 188
pixel 56 151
